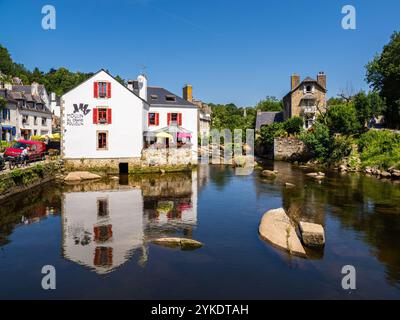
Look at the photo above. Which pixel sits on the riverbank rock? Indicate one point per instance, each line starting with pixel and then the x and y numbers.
pixel 289 185
pixel 269 173
pixel 81 175
pixel 275 227
pixel 183 243
pixel 316 175
pixel 312 234
pixel 385 174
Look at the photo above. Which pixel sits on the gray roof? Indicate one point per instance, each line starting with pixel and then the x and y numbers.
pixel 309 79
pixel 266 118
pixel 158 96
pixel 27 88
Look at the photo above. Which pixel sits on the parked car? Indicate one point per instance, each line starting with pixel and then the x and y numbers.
pixel 37 150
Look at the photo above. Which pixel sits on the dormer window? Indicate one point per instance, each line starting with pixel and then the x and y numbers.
pixel 154 97
pixel 308 89
pixel 170 98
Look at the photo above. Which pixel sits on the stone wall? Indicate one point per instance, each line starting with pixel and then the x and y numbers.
pixel 19 180
pixel 151 158
pixel 165 156
pixel 106 165
pixel 290 148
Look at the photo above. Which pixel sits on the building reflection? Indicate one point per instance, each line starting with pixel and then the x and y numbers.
pixel 105 223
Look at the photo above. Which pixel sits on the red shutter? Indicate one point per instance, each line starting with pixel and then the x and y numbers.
pixel 108 89
pixel 95 115
pixel 109 116
pixel 179 119
pixel 95 89
pixel 157 120
pixel 168 118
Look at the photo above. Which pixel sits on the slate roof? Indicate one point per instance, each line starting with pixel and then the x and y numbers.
pixel 266 118
pixel 157 96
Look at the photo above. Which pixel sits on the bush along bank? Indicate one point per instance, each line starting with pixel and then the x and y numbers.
pixel 23 179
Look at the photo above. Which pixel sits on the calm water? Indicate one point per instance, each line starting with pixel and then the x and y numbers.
pixel 98 237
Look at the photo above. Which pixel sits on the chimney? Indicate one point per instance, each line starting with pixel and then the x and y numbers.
pixel 35 89
pixel 321 79
pixel 188 93
pixel 294 81
pixel 142 81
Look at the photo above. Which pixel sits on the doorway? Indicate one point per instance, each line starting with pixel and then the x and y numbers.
pixel 123 168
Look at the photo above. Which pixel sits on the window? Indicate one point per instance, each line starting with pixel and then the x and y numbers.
pixel 102 115
pixel 35 132
pixel 44 121
pixel 174 119
pixel 102 118
pixel 102 207
pixel 35 121
pixel 170 98
pixel 6 114
pixel 308 89
pixel 153 97
pixel 102 140
pixel 102 89
pixel 153 119
pixel 25 119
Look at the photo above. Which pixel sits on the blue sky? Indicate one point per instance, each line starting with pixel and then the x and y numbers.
pixel 230 51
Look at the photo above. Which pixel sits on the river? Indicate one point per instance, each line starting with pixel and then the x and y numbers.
pixel 98 236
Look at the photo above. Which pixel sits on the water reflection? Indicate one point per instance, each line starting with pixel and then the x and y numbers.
pixel 104 223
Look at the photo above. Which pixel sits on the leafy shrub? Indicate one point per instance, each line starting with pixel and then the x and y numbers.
pixel 341 148
pixel 268 133
pixel 318 140
pixel 293 125
pixel 380 148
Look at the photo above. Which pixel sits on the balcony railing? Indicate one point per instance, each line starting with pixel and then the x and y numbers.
pixel 309 109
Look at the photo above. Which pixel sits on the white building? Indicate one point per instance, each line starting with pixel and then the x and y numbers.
pixel 172 114
pixel 102 119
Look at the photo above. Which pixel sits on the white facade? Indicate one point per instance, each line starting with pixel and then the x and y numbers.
pixel 34 122
pixel 124 134
pixel 55 107
pixel 189 121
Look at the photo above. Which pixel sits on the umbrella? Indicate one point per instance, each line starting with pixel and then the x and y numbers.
pixel 164 135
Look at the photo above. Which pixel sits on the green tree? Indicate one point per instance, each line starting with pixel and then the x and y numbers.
pixel 270 104
pixel 342 119
pixel 383 74
pixel 318 140
pixel 368 106
pixel 270 132
pixel 293 125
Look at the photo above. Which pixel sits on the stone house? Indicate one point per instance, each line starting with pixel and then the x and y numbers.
pixel 27 112
pixel 306 98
